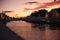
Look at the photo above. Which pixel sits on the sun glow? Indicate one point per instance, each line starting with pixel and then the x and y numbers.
pixel 53 7
pixel 18 14
pixel 26 9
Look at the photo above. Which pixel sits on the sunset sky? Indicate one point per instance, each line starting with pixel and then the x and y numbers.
pixel 22 8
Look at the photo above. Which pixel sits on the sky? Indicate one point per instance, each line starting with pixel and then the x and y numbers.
pixel 21 8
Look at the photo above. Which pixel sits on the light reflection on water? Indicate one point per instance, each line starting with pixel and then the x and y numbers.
pixel 24 26
pixel 26 30
pixel 30 31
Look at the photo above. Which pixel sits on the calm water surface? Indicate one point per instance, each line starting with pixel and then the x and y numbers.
pixel 30 31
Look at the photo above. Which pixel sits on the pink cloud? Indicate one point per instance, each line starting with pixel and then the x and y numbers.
pixel 46 5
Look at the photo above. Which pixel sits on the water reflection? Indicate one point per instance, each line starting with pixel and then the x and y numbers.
pixel 40 26
pixel 32 31
pixel 49 26
pixel 34 25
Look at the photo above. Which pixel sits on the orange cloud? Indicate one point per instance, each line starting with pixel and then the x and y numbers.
pixel 31 2
pixel 47 5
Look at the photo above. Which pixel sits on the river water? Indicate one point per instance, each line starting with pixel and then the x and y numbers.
pixel 30 31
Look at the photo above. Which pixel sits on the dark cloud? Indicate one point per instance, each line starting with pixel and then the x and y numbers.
pixel 7 11
pixel 31 2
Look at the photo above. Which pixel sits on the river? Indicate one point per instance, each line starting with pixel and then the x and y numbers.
pixel 30 31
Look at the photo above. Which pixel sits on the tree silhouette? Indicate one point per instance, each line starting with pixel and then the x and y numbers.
pixel 35 14
pixel 42 12
pixel 53 13
pixel 58 10
pixel 39 13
